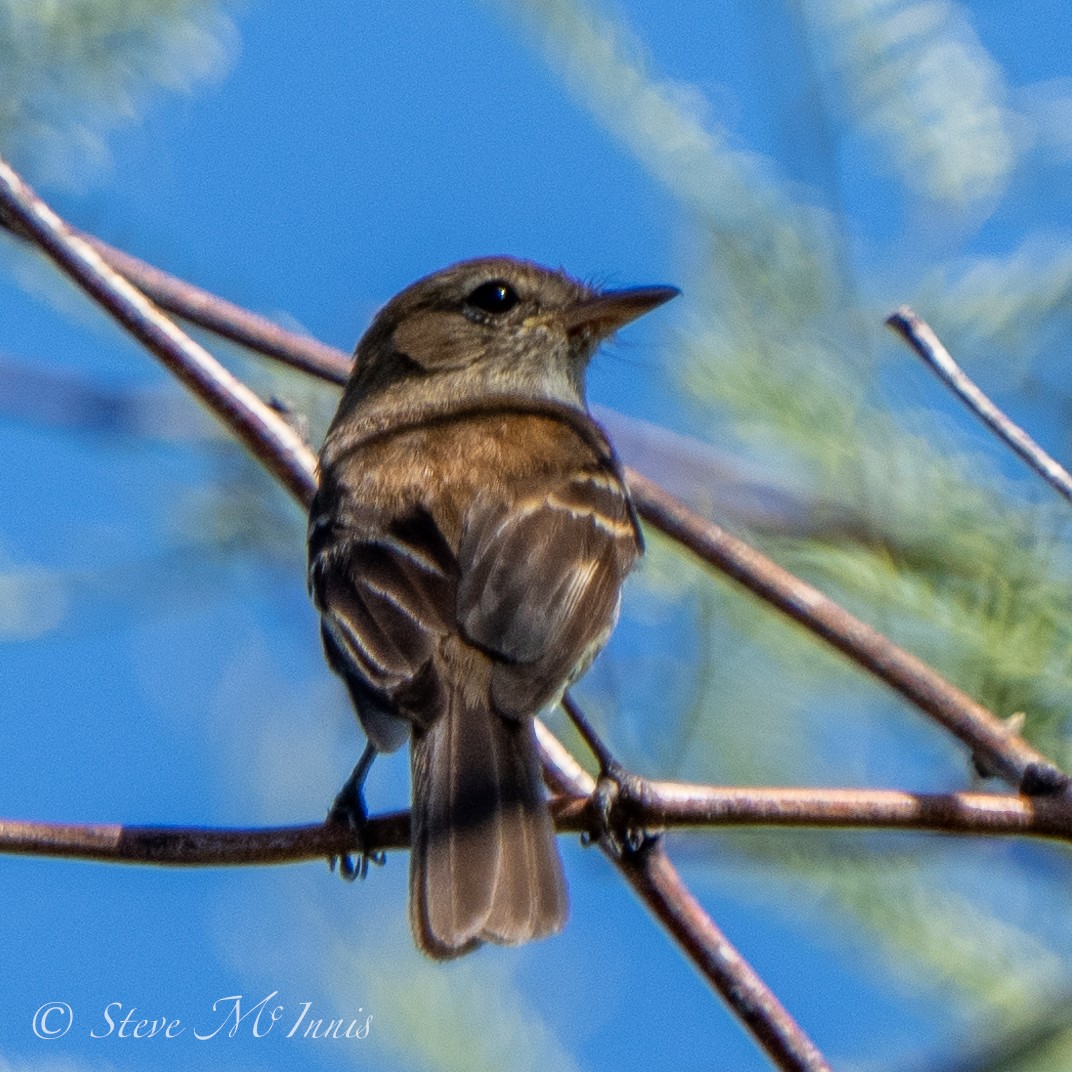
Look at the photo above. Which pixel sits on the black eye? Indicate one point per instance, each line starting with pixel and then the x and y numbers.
pixel 493 297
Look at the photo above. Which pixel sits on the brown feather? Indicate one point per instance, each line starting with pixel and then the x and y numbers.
pixel 467 545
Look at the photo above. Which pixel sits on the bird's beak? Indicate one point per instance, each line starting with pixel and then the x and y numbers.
pixel 605 313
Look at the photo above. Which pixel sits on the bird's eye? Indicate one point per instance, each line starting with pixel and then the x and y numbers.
pixel 493 297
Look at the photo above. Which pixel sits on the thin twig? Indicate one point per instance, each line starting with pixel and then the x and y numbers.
pixel 226 319
pixel 989 738
pixel 992 741
pixel 291 461
pixel 661 888
pixel 209 311
pixel 658 884
pixel 664 805
pixel 181 846
pixel 262 431
pixel 922 338
pixel 649 871
pixel 671 805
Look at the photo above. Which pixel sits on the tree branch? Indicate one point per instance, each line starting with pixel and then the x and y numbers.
pixel 191 846
pixel 649 871
pixel 922 338
pixel 994 744
pixel 989 738
pixel 260 429
pixel 289 459
pixel 226 319
pixel 658 884
pixel 676 805
pixel 663 805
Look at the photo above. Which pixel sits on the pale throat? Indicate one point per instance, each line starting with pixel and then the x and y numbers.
pixel 407 401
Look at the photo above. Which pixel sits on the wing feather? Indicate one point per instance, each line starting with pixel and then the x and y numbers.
pixel 539 582
pixel 386 595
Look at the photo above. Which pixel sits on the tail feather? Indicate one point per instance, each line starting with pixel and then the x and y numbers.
pixel 484 865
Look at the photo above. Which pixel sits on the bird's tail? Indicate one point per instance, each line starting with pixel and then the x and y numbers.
pixel 484 865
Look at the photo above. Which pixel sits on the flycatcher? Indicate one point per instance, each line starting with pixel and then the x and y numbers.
pixel 467 548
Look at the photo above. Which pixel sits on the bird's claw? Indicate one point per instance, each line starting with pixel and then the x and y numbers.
pixel 350 871
pixel 348 810
pixel 615 796
pixel 353 865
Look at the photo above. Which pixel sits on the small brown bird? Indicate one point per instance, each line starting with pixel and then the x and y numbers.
pixel 467 548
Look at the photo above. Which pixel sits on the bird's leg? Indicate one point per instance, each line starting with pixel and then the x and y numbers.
pixel 616 793
pixel 349 810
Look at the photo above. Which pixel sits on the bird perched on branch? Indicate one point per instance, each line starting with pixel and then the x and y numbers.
pixel 467 548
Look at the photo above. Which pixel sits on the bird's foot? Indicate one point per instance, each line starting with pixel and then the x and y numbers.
pixel 618 795
pixel 348 810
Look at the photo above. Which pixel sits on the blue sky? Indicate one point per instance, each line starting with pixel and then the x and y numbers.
pixel 150 677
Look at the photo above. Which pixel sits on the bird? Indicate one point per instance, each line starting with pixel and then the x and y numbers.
pixel 468 542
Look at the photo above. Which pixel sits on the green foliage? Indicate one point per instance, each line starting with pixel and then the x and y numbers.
pixel 784 357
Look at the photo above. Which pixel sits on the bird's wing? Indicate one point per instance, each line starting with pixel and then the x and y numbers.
pixel 385 588
pixel 539 581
